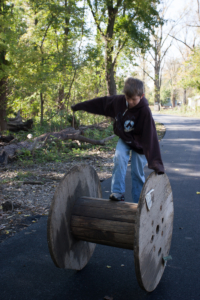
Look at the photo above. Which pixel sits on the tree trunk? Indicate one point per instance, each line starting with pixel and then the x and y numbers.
pixel 110 79
pixel 42 108
pixel 157 79
pixel 173 96
pixel 3 105
pixel 156 87
pixel 144 75
pixel 109 63
pixel 157 75
pixel 61 96
pixel 184 96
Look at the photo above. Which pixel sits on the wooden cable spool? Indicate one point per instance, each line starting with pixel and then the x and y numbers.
pixel 79 218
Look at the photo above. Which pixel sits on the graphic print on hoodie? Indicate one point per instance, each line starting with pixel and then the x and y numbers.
pixel 127 125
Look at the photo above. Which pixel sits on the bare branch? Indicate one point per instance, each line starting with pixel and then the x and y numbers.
pixel 147 59
pixel 118 51
pixel 181 41
pixel 151 55
pixel 95 19
pixel 45 34
pixel 193 25
pixel 165 52
pixel 146 73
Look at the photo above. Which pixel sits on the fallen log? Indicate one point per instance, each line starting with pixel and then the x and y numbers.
pixel 16 124
pixel 6 139
pixel 14 149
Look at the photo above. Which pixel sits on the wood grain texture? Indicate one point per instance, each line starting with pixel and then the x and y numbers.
pixel 104 222
pixel 104 237
pixel 153 231
pixel 105 209
pixel 108 204
pixel 66 251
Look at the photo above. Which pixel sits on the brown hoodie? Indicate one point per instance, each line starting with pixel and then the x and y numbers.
pixel 135 126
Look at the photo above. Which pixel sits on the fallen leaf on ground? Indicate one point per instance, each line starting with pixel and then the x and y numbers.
pixel 122 265
pixel 198 193
pixel 108 267
pixel 108 298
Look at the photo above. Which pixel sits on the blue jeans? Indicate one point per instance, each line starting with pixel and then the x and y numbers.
pixel 138 162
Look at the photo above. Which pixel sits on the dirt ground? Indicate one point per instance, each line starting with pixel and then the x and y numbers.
pixel 26 193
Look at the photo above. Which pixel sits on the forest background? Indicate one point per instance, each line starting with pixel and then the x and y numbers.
pixel 54 54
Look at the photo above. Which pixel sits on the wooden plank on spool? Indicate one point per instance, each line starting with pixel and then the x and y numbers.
pixel 106 212
pixel 110 243
pixel 104 237
pixel 104 225
pixel 153 231
pixel 109 204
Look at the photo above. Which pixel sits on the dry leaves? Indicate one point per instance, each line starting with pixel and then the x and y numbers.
pixel 26 203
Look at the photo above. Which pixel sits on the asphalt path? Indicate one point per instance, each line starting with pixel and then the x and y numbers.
pixel 27 271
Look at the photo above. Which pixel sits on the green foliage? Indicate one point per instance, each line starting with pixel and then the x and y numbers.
pixel 190 71
pixel 165 94
pixel 58 150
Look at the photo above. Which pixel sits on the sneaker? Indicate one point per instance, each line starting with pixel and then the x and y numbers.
pixel 116 197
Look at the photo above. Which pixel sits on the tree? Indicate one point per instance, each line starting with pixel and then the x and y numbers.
pixel 192 73
pixel 160 44
pixel 48 54
pixel 120 22
pixel 172 75
pixel 5 31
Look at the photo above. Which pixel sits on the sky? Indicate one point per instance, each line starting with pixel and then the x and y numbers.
pixel 177 8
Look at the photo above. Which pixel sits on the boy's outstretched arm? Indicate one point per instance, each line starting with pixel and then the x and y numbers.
pixel 100 106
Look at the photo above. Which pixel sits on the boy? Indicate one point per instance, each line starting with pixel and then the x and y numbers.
pixel 137 134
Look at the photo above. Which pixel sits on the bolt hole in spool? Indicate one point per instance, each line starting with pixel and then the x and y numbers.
pixel 162 220
pixel 79 218
pixel 160 207
pixel 152 238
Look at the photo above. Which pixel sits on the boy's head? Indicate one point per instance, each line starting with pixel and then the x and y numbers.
pixel 133 87
pixel 133 90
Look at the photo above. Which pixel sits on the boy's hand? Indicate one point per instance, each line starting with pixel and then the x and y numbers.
pixel 73 107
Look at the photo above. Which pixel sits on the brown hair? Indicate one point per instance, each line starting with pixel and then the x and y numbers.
pixel 133 87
